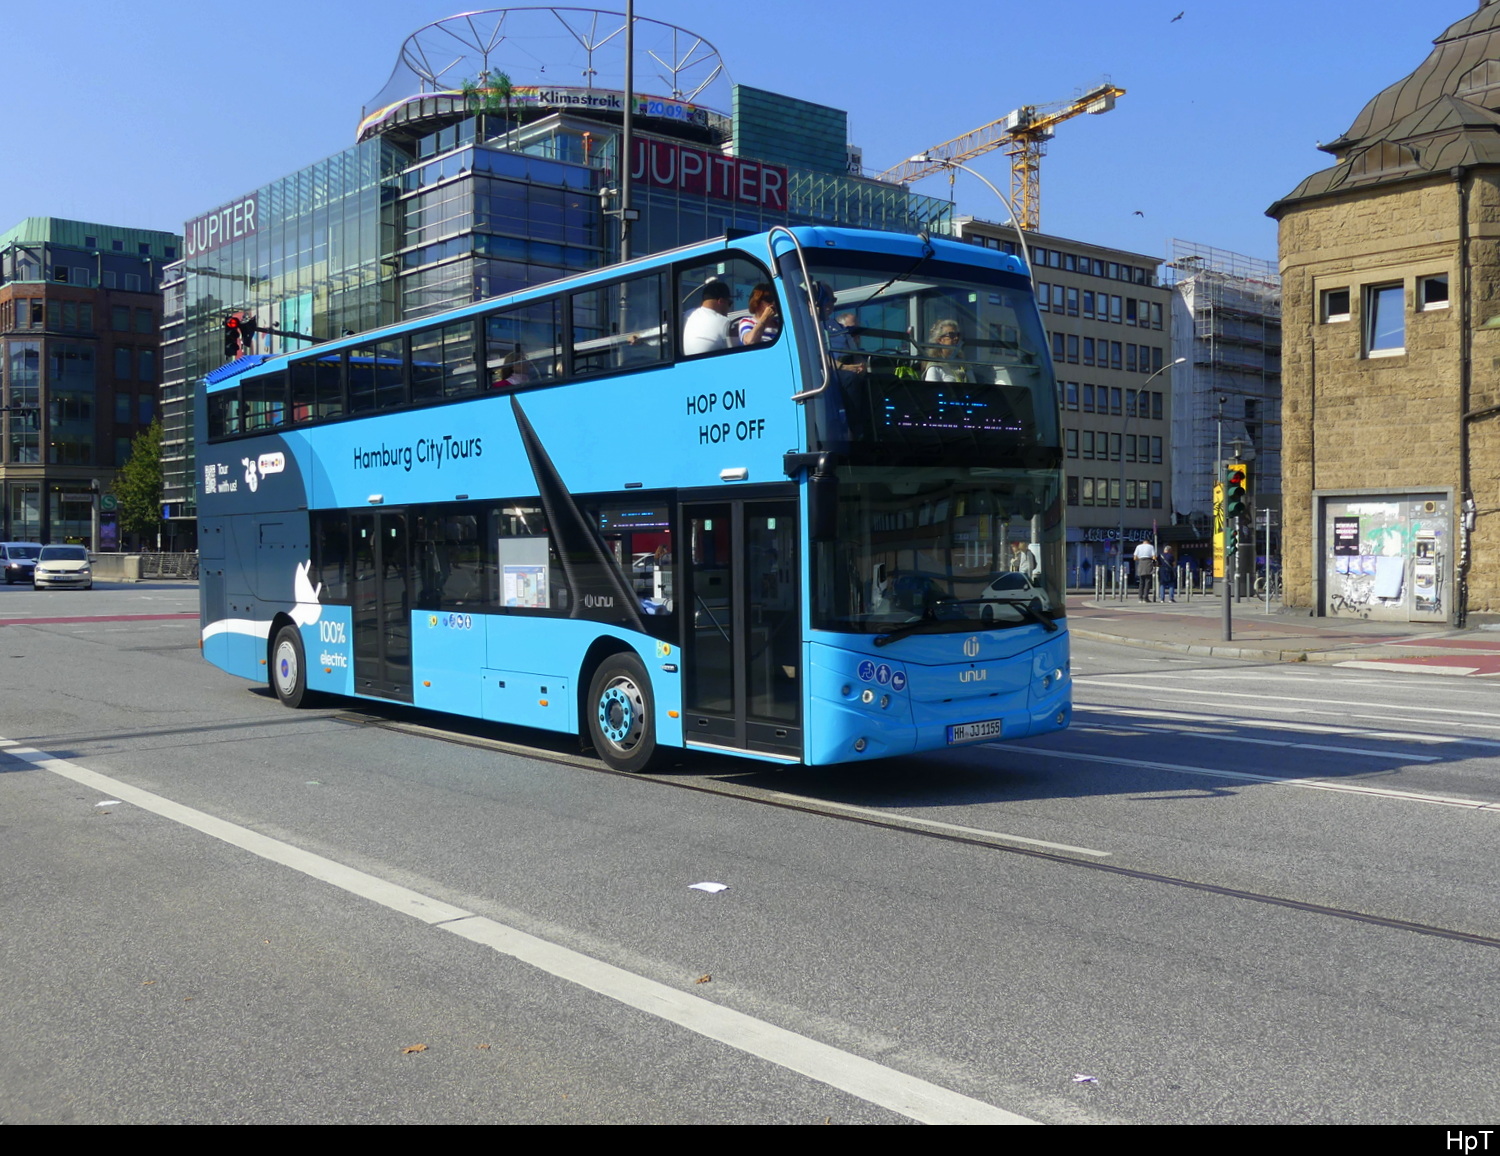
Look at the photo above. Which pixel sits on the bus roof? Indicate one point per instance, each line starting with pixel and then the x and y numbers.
pixel 816 237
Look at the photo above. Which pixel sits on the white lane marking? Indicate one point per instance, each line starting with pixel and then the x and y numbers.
pixel 1289 698
pixel 877 1084
pixel 1333 672
pixel 1371 664
pixel 1218 738
pixel 897 816
pixel 1286 725
pixel 1245 776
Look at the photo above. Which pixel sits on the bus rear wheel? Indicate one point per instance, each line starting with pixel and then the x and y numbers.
pixel 289 667
pixel 621 712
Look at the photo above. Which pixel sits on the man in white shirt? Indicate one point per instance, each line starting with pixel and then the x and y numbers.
pixel 1145 568
pixel 707 327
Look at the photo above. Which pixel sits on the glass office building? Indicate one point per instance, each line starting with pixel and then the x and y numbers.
pixel 465 184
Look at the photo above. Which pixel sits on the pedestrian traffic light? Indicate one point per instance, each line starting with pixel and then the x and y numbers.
pixel 1231 538
pixel 1234 493
pixel 232 335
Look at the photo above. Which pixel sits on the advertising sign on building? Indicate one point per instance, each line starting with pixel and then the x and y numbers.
pixel 229 223
pixel 663 164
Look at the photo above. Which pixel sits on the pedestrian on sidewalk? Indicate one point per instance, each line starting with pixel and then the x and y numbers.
pixel 1145 568
pixel 1022 560
pixel 1166 575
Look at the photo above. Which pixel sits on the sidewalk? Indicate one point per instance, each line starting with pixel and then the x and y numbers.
pixel 1196 627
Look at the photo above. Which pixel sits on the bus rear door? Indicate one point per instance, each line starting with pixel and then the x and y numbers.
pixel 382 604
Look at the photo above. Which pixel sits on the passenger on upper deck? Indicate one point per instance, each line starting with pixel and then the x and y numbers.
pixel 946 344
pixel 763 323
pixel 515 372
pixel 707 327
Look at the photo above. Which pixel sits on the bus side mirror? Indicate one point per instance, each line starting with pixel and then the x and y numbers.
pixel 822 506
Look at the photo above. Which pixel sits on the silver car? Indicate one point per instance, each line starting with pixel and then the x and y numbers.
pixel 19 559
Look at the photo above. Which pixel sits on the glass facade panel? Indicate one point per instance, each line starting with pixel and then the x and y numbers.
pixel 24 379
pixel 70 393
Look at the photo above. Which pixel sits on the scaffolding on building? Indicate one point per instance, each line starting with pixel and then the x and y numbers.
pixel 1227 323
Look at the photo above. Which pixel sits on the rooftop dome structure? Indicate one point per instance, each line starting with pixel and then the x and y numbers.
pixel 513 60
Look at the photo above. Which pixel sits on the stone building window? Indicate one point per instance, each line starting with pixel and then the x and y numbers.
pixel 1385 320
pixel 1335 305
pixel 1432 292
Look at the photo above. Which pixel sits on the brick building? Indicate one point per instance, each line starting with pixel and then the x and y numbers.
pixel 80 339
pixel 1390 266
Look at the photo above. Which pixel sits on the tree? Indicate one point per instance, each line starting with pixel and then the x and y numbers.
pixel 492 92
pixel 499 93
pixel 138 485
pixel 469 90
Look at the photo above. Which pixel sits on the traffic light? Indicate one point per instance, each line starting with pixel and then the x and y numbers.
pixel 248 328
pixel 232 337
pixel 1231 538
pixel 1234 493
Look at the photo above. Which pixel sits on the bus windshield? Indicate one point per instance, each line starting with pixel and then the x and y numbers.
pixel 931 363
pixel 941 548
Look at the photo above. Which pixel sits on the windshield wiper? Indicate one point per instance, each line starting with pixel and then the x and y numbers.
pixel 928 615
pixel 1033 611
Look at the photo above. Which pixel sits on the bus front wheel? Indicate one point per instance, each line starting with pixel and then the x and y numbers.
pixel 622 722
pixel 289 667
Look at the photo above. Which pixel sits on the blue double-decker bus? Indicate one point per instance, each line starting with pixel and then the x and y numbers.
pixel 795 496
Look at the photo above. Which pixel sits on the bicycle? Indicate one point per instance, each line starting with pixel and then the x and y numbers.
pixel 1275 582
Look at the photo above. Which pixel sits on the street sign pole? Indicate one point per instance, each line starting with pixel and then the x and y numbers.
pixel 1228 605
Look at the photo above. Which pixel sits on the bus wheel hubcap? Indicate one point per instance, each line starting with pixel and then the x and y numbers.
pixel 620 713
pixel 286 669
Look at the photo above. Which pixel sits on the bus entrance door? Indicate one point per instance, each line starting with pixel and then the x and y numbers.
pixel 382 604
pixel 742 651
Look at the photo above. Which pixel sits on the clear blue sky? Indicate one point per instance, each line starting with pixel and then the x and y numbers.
pixel 149 113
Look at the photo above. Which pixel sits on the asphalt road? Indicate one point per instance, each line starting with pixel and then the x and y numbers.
pixel 1232 893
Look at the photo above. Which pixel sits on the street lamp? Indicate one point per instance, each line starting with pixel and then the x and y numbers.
pixel 927 159
pixel 1124 431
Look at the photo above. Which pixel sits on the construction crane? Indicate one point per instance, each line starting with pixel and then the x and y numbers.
pixel 1023 134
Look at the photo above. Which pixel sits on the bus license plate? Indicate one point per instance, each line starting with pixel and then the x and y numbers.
pixel 973 732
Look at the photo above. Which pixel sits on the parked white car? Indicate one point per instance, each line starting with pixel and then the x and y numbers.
pixel 62 566
pixel 1012 587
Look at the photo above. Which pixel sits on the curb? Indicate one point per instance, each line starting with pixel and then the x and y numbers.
pixel 1228 650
